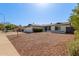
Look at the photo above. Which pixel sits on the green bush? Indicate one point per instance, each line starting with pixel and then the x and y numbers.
pixel 76 33
pixel 73 48
pixel 74 21
pixel 37 30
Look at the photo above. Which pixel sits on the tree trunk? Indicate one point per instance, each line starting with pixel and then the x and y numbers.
pixel 17 33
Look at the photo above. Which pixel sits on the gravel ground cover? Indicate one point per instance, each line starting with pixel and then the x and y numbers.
pixel 41 44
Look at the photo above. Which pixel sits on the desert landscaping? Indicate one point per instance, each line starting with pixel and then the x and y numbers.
pixel 41 44
pixel 37 31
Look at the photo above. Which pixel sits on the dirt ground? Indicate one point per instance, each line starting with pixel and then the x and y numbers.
pixel 41 44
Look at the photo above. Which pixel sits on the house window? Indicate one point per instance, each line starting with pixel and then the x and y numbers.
pixel 49 27
pixel 57 28
pixel 45 28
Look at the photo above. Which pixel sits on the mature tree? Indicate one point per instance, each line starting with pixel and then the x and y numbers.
pixel 1 26
pixel 74 20
pixel 10 26
pixel 18 29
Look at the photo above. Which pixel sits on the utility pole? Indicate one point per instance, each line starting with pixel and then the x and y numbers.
pixel 4 24
pixel 3 20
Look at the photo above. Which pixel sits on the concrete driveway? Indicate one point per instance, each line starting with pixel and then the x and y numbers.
pixel 6 48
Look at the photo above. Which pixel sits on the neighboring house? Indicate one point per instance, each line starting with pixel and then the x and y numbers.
pixel 58 27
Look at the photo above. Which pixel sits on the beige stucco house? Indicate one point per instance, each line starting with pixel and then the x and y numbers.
pixel 58 27
pixel 62 28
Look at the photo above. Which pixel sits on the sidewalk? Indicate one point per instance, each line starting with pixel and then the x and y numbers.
pixel 6 48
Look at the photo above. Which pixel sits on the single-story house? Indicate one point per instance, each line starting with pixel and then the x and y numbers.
pixel 58 27
pixel 62 28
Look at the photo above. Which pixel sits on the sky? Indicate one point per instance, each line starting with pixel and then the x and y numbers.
pixel 38 13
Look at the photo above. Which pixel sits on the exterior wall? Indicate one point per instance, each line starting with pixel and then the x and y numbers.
pixel 37 27
pixel 63 27
pixel 28 29
pixel 43 29
pixel 61 30
pixel 53 28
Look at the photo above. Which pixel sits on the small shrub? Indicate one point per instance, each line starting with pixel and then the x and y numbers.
pixel 76 33
pixel 37 30
pixel 73 48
